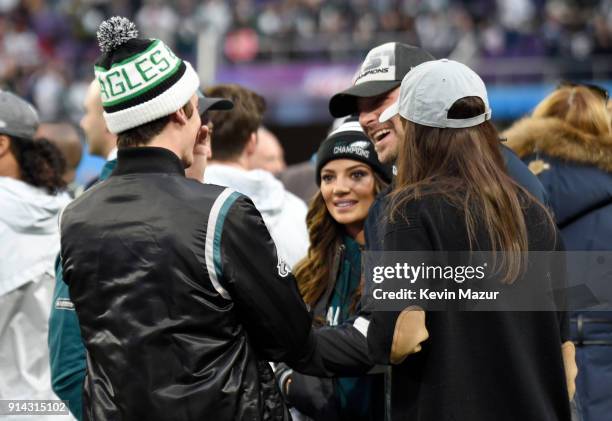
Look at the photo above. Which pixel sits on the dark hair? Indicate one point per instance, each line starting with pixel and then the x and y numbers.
pixel 142 135
pixel 233 128
pixel 325 233
pixel 465 166
pixel 41 163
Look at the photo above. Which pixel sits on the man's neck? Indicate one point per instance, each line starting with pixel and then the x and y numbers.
pixel 239 163
pixel 166 140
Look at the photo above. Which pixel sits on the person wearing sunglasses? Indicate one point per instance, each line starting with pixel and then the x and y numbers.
pixel 567 143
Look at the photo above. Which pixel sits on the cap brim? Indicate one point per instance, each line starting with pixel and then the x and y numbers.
pixel 389 112
pixel 345 103
pixel 208 103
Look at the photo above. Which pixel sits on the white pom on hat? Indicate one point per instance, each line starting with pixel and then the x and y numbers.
pixel 114 32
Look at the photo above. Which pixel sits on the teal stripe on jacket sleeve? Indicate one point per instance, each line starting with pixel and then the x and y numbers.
pixel 214 228
pixel 66 350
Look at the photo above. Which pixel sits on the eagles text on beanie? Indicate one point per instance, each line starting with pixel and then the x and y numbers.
pixel 140 80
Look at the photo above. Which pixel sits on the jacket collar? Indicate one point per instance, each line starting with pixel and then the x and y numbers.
pixel 147 160
pixel 558 139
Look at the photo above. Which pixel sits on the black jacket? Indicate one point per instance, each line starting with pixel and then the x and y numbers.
pixel 318 397
pixel 516 169
pixel 475 366
pixel 180 297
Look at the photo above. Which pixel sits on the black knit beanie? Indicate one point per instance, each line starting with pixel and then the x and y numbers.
pixel 350 142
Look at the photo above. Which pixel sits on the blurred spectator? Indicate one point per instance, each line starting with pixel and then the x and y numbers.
pixel 298 179
pixel 46 47
pixel 65 137
pixel 30 203
pixel 47 92
pixel 567 143
pixel 233 142
pixel 156 19
pixel 268 154
pixel 215 12
pixel 100 140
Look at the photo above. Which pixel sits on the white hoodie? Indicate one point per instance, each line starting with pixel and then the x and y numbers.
pixel 29 243
pixel 283 212
pixel 29 232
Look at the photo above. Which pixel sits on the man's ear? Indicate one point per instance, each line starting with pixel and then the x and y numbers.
pixel 5 144
pixel 251 144
pixel 208 147
pixel 179 117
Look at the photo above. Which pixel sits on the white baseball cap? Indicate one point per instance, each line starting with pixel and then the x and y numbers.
pixel 430 89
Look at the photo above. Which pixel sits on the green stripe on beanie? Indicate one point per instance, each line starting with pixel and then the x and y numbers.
pixel 140 80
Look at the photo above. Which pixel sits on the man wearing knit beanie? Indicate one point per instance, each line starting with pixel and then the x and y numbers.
pixel 179 292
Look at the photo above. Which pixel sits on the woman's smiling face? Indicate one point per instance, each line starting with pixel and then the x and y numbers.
pixel 347 187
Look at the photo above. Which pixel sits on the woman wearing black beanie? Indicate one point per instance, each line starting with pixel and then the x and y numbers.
pixel 349 176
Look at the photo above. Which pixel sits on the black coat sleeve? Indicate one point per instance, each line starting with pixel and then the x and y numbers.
pixel 311 396
pixel 261 286
pixel 410 234
pixel 356 346
pixel 339 351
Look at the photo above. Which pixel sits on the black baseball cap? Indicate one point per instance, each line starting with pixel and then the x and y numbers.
pixel 382 70
pixel 206 103
pixel 17 116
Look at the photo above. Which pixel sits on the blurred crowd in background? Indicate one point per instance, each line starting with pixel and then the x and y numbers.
pixel 47 47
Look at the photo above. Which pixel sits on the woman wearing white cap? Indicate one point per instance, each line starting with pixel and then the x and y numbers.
pixel 452 193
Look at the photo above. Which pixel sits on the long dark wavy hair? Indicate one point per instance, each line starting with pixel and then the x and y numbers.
pixel 313 272
pixel 465 166
pixel 41 163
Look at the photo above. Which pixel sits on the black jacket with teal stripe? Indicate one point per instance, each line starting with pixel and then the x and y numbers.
pixel 180 297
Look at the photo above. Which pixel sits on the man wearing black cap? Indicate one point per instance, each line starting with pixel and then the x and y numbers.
pixel 179 292
pixel 376 87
